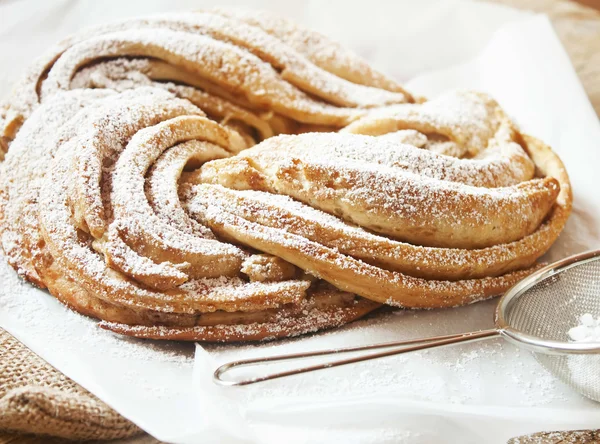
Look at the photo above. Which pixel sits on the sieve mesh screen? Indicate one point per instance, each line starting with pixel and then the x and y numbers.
pixel 550 308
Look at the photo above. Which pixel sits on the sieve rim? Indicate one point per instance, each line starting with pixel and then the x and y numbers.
pixel 533 342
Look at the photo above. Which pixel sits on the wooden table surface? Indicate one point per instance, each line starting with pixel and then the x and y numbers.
pixel 579 30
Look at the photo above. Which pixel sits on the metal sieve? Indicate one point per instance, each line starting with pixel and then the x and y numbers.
pixel 535 314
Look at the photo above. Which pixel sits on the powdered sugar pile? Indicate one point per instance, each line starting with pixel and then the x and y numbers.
pixel 584 372
pixel 588 329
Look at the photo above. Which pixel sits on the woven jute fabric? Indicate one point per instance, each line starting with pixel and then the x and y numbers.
pixel 35 398
pixel 572 437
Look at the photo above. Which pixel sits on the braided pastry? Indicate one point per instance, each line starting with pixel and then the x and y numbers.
pixel 282 70
pixel 131 188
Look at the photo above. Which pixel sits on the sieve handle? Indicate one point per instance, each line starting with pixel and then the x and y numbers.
pixel 407 346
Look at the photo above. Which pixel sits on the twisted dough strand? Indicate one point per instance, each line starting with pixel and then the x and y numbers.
pixel 215 30
pixel 130 189
pixel 399 191
pixel 408 274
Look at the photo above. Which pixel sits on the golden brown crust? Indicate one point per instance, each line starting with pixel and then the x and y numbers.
pixel 89 205
pixel 417 196
pixel 346 272
pixel 286 75
pixel 317 319
pixel 369 264
pixel 325 308
pixel 328 55
pixel 107 199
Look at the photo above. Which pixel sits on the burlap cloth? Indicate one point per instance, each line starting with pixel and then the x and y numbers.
pixel 35 398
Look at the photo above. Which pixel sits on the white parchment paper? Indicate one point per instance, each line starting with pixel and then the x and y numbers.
pixel 483 392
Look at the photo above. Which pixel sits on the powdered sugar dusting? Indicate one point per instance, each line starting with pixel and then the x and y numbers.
pixel 418 210
pixel 201 39
pixel 343 271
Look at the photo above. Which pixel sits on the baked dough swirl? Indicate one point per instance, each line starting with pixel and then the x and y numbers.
pixel 395 222
pixel 226 176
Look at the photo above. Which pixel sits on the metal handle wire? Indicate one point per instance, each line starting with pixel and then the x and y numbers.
pixel 419 344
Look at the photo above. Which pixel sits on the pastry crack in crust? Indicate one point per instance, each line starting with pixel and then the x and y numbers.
pixel 227 175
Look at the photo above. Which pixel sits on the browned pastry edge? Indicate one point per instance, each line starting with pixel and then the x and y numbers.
pixel 315 320
pixel 88 302
pixel 138 323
